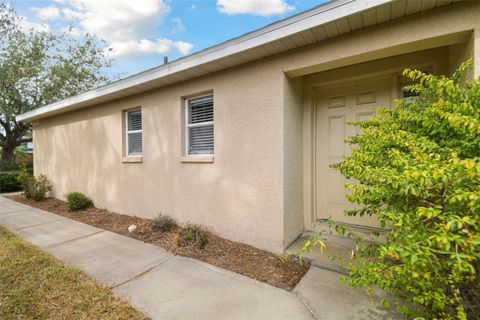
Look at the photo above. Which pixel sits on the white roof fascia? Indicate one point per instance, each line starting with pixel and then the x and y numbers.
pixel 320 15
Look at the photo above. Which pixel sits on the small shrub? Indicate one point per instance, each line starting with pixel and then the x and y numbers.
pixel 163 223
pixel 9 182
pixel 24 178
pixel 6 165
pixel 77 201
pixel 192 235
pixel 34 187
pixel 24 163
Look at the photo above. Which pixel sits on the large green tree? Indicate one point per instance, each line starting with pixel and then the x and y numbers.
pixel 38 67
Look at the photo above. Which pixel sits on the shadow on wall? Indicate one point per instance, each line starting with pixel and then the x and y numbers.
pixel 78 151
pixel 239 196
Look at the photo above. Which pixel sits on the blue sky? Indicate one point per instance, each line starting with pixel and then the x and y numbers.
pixel 143 31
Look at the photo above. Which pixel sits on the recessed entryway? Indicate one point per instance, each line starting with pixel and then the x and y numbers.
pixel 335 97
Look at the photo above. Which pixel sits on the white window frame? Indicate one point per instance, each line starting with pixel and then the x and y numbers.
pixel 192 125
pixel 127 132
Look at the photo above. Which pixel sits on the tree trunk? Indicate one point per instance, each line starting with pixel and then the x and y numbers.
pixel 11 139
pixel 7 161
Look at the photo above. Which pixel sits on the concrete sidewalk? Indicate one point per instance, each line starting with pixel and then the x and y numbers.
pixel 156 282
pixel 165 286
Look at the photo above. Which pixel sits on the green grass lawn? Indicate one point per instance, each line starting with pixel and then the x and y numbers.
pixel 34 285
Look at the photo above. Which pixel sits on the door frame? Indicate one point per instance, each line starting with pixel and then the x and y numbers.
pixel 310 128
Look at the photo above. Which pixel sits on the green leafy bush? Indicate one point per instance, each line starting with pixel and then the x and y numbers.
pixel 24 162
pixel 9 182
pixel 417 167
pixel 6 165
pixel 163 223
pixel 192 235
pixel 34 188
pixel 77 201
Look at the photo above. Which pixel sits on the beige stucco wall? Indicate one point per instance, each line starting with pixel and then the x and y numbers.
pixel 238 196
pixel 253 191
pixel 293 223
pixel 459 53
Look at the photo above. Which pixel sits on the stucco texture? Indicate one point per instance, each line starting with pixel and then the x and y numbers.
pixel 238 196
pixel 253 191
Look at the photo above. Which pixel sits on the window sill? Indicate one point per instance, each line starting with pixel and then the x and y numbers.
pixel 132 159
pixel 197 159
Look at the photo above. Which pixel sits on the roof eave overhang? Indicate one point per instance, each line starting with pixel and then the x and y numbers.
pixel 316 17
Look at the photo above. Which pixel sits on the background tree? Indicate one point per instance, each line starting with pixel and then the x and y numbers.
pixel 38 68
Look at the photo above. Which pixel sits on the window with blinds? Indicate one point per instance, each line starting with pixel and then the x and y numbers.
pixel 133 133
pixel 199 125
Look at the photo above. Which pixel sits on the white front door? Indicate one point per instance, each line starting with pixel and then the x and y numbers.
pixel 336 106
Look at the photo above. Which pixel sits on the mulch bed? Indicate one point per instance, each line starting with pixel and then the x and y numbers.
pixel 237 257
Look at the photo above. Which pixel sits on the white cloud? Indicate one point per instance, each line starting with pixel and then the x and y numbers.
pixel 137 48
pixel 73 31
pixel 27 25
pixel 118 20
pixel 144 46
pixel 70 14
pixel 128 26
pixel 193 7
pixel 256 7
pixel 178 25
pixel 47 13
pixel 183 47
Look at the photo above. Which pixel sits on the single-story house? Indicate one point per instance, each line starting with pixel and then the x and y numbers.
pixel 239 137
pixel 27 145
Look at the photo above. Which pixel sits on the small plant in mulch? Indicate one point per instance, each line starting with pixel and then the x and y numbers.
pixel 77 201
pixel 285 257
pixel 163 223
pixel 35 188
pixel 192 235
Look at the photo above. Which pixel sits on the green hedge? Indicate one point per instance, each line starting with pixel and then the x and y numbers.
pixel 9 182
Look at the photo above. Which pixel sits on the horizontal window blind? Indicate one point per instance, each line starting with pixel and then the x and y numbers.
pixel 201 140
pixel 135 143
pixel 134 120
pixel 200 110
pixel 200 130
pixel 134 133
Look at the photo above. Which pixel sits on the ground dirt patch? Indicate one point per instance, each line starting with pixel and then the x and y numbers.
pixel 237 257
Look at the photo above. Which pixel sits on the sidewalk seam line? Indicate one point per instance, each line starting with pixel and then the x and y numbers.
pixel 312 313
pixel 144 272
pixel 74 239
pixel 14 211
pixel 37 225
